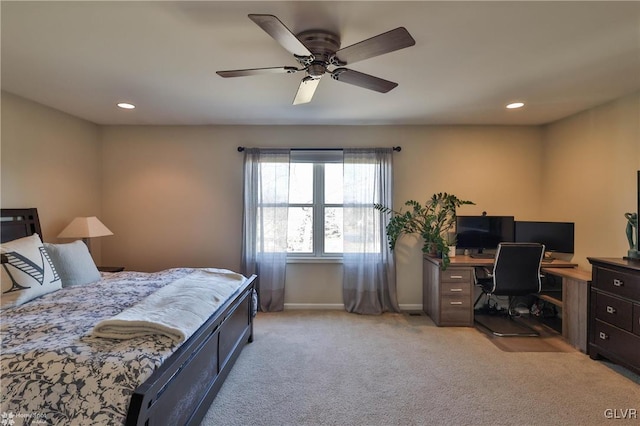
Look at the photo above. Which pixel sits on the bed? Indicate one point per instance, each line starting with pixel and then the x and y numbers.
pixel 170 383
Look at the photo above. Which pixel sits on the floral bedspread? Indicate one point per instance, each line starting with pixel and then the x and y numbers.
pixel 54 372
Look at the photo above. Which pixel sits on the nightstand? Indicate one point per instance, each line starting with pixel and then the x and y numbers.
pixel 110 268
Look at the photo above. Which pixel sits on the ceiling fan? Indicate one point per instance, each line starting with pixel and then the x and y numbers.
pixel 317 50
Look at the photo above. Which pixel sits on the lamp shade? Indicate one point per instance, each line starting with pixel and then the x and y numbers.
pixel 85 227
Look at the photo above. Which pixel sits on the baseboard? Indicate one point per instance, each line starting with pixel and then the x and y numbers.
pixel 314 306
pixel 340 306
pixel 410 307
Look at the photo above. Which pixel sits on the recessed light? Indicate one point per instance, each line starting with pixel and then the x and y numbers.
pixel 515 105
pixel 125 105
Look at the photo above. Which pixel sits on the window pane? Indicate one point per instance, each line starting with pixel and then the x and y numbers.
pixel 269 239
pixel 333 230
pixel 333 183
pixel 300 230
pixel 301 183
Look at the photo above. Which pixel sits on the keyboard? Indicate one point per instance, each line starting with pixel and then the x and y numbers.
pixel 483 256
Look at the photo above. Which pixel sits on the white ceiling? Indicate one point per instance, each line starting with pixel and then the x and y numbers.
pixel 470 59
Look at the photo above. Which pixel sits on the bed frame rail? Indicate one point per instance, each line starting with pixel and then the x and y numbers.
pixel 182 389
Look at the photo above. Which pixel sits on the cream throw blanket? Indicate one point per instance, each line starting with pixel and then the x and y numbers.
pixel 176 310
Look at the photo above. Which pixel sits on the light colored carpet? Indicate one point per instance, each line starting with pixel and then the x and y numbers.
pixel 335 368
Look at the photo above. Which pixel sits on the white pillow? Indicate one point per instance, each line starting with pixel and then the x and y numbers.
pixel 74 263
pixel 29 272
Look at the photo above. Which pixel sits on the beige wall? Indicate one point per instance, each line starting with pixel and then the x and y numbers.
pixel 590 175
pixel 50 160
pixel 172 195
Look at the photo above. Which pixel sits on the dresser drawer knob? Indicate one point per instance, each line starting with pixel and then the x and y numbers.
pixel 456 290
pixel 455 303
pixel 618 283
pixel 603 335
pixel 458 277
pixel 611 310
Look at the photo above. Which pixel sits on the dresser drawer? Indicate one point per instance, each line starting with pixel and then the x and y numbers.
pixel 615 340
pixel 614 310
pixel 636 319
pixel 453 275
pixel 618 282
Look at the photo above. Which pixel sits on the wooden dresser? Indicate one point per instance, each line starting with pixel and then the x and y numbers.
pixel 614 311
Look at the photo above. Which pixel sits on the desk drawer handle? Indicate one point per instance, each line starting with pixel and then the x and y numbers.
pixel 456 290
pixel 603 335
pixel 618 283
pixel 455 303
pixel 458 277
pixel 611 310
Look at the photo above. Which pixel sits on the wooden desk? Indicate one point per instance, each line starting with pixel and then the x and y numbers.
pixel 473 262
pixel 448 296
pixel 574 304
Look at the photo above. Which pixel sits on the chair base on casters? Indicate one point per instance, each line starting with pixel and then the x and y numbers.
pixel 502 324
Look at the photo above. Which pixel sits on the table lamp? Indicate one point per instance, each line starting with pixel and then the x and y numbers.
pixel 85 228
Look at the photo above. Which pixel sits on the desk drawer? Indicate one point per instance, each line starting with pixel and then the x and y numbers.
pixel 456 310
pixel 617 282
pixel 614 310
pixel 456 275
pixel 455 300
pixel 453 289
pixel 615 340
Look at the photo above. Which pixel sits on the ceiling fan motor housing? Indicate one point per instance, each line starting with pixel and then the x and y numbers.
pixel 323 45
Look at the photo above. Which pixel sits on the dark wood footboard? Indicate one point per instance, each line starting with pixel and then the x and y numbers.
pixel 182 389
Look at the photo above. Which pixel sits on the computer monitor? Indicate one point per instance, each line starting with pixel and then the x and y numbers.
pixel 483 232
pixel 556 236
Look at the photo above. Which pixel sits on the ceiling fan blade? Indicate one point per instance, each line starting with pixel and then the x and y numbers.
pixel 276 29
pixel 363 80
pixel 306 90
pixel 382 43
pixel 257 71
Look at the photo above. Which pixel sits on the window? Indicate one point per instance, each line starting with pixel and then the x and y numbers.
pixel 315 204
pixel 320 203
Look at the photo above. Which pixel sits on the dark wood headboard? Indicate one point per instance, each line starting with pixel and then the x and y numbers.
pixel 18 223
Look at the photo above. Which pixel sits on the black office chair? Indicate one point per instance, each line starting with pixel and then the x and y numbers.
pixel 516 272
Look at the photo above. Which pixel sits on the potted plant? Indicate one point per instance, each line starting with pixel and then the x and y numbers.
pixel 433 221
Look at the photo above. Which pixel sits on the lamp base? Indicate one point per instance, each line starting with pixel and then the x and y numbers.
pixel 87 242
pixel 632 254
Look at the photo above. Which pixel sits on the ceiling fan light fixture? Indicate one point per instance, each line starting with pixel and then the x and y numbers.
pixel 515 105
pixel 126 105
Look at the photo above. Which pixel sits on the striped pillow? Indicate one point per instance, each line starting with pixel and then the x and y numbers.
pixel 28 273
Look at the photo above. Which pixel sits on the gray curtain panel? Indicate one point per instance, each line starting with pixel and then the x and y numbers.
pixel 264 230
pixel 369 278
